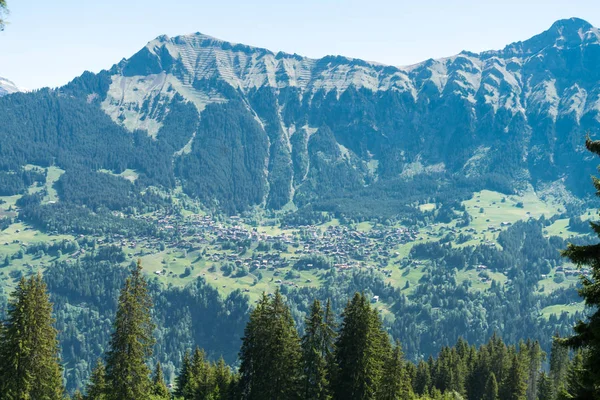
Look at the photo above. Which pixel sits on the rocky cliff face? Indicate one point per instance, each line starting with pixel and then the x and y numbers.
pixel 299 128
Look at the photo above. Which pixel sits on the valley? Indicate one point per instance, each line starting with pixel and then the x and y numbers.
pixel 443 193
pixel 259 253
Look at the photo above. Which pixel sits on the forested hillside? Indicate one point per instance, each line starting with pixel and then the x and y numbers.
pixel 345 357
pixel 253 185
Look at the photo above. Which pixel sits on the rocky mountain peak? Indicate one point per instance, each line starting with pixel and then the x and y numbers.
pixel 563 34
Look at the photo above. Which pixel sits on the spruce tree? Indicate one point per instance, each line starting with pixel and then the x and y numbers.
pixel 491 388
pixel 534 358
pixel 199 383
pixel 271 353
pixel 315 384
pixel 514 386
pixel 360 352
pixel 96 388
pixel 184 374
pixel 29 352
pixel 222 378
pixel 422 382
pixel 577 385
pixel 127 374
pixel 545 387
pixel 395 384
pixel 587 333
pixel 559 363
pixel 159 387
pixel 330 328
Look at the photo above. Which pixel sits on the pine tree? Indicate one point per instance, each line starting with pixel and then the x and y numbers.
pixel 29 352
pixel 587 334
pixel 159 387
pixel 184 374
pixel 315 384
pixel 127 374
pixel 271 353
pixel 491 388
pixel 96 388
pixel 360 351
pixel 395 384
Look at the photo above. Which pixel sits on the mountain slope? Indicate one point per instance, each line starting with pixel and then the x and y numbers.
pixel 245 126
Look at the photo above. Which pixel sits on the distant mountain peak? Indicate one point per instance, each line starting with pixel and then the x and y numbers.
pixel 7 87
pixel 572 23
pixel 564 33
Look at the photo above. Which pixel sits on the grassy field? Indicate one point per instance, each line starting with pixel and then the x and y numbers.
pixel 53 174
pixel 498 208
pixel 128 174
pixel 561 308
pixel 490 211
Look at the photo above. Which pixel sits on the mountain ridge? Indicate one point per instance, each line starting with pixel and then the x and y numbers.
pixel 530 86
pixel 242 126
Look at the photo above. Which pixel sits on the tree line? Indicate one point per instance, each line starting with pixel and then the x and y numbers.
pixel 351 357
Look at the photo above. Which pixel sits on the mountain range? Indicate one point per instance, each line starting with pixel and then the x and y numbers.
pixel 240 126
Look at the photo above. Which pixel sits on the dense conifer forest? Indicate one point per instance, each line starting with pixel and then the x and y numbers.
pixel 347 356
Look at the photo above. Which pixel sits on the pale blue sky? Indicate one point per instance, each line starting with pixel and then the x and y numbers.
pixel 47 43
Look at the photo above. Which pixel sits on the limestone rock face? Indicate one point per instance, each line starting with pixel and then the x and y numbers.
pixel 246 126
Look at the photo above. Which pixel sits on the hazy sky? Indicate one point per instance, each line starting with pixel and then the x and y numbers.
pixel 47 43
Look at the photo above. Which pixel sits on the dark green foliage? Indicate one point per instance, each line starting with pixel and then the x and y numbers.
pixel 227 160
pixel 559 363
pixel 317 348
pixel 159 387
pixel 68 218
pixel 587 333
pixel 184 375
pixel 577 385
pixel 514 386
pixel 360 352
pixel 127 374
pixel 280 177
pixel 68 132
pixel 29 352
pixel 395 383
pixel 270 355
pixel 101 190
pixel 12 183
pixel 88 290
pixel 546 387
pixel 491 388
pixel 96 388
pixel 179 125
